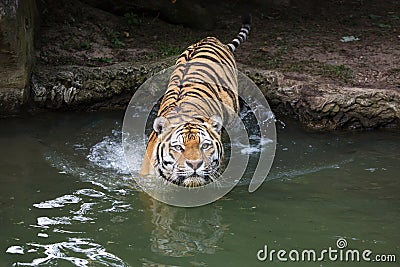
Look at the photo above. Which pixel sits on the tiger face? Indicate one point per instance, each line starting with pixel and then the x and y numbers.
pixel 188 154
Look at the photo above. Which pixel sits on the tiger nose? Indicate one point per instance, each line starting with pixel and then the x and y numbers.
pixel 194 164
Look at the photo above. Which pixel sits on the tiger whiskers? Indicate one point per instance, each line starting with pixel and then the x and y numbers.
pixel 214 175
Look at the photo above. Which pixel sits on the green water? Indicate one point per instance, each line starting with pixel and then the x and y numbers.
pixel 66 199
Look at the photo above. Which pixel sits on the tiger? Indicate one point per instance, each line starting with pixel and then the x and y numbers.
pixel 185 146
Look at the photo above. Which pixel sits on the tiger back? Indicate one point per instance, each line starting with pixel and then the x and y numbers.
pixel 185 146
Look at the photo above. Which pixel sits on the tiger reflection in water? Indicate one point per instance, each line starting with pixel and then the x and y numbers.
pixel 179 232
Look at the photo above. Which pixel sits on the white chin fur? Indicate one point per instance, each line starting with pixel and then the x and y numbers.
pixel 194 181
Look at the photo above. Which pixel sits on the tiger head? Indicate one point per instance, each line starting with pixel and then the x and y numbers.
pixel 190 153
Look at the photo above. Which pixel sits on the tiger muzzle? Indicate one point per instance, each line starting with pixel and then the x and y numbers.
pixel 194 164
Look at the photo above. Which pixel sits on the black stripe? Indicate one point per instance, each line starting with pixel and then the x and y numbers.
pixel 209 76
pixel 227 75
pixel 162 174
pixel 161 149
pixel 236 42
pixel 210 104
pixel 157 155
pixel 218 50
pixel 230 93
pixel 197 90
pixel 220 59
pixel 212 89
pixel 212 76
pixel 198 107
pixel 231 47
pixel 165 162
pixel 225 54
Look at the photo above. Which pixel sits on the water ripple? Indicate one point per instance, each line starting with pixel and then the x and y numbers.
pixel 85 252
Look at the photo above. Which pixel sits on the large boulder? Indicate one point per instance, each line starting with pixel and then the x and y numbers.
pixel 17 20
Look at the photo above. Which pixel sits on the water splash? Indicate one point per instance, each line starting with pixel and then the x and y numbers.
pixel 109 154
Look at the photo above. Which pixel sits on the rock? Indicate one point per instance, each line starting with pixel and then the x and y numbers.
pixel 17 21
pixel 327 106
pixel 89 88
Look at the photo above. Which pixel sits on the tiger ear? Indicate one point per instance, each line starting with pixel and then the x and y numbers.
pixel 160 124
pixel 216 123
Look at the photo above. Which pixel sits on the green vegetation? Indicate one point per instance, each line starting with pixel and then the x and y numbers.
pixel 340 72
pixel 384 22
pixel 113 37
pixel 168 50
pixel 44 53
pixel 133 19
pixel 118 43
pixel 66 45
pixel 273 63
pixel 101 60
pixel 86 45
pixel 296 66
pixel 163 50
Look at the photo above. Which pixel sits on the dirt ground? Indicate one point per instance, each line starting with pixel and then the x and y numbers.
pixel 300 41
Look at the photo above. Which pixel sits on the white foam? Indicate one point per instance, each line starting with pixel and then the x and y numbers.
pixel 109 153
pixel 46 221
pixel 58 202
pixel 15 250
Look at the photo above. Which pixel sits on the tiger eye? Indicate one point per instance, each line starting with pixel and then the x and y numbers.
pixel 205 146
pixel 178 148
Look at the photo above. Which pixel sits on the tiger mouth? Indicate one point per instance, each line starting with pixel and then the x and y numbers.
pixel 193 180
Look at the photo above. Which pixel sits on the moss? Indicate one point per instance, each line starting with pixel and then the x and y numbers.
pixel 341 72
pixel 296 66
pixel 168 50
pixel 132 19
